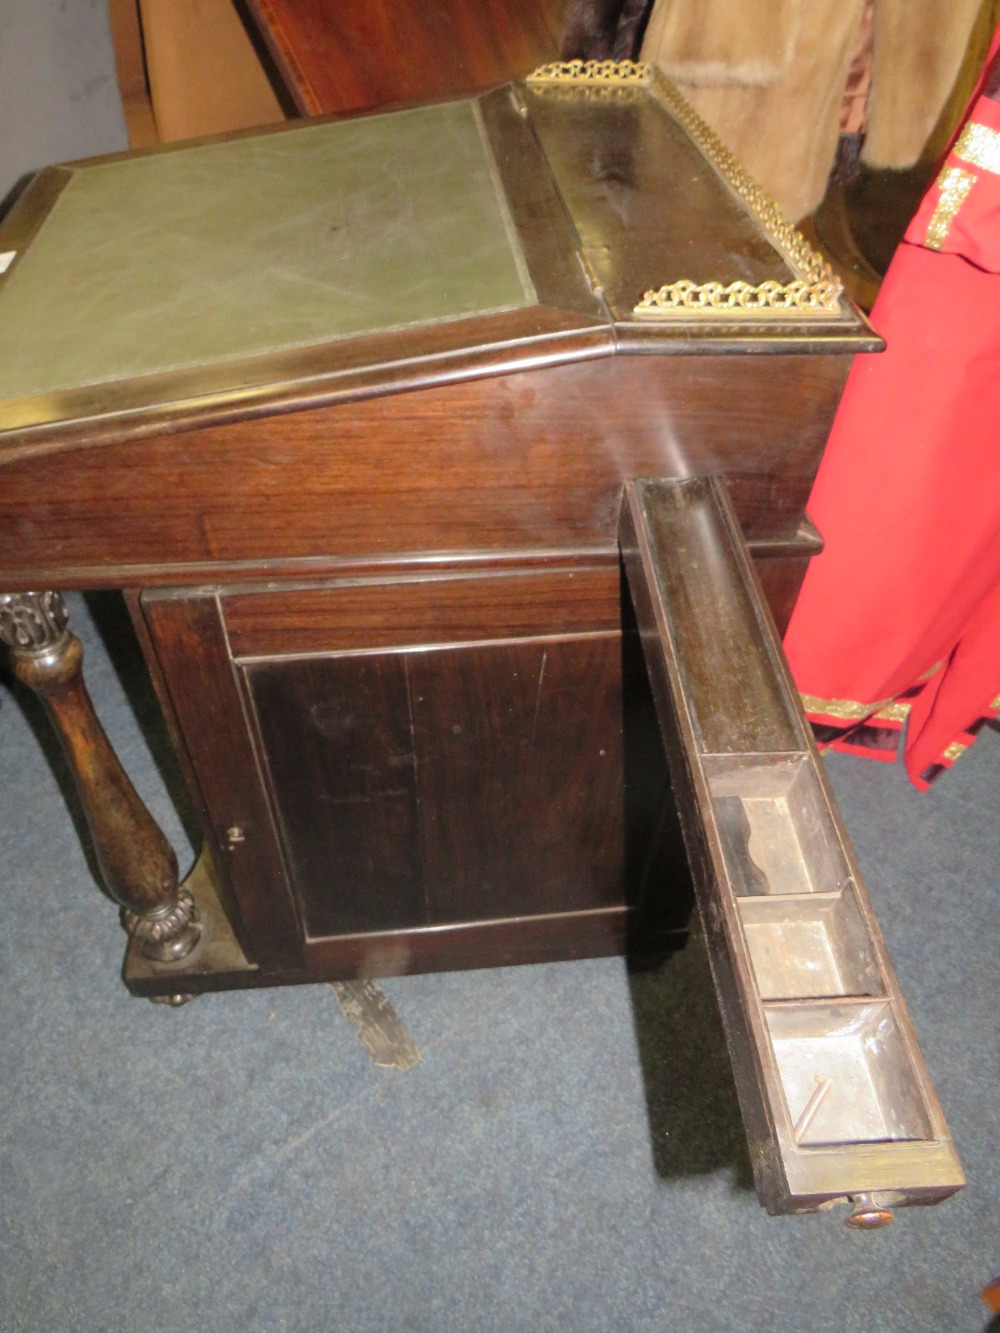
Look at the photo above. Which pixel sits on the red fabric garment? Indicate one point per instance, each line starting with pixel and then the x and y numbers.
pixel 899 618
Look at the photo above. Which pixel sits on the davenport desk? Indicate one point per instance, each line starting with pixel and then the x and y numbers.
pixel 433 452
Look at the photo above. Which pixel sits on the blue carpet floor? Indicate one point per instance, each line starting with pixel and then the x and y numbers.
pixel 567 1154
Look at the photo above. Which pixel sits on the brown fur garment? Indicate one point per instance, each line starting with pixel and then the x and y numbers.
pixel 604 29
pixel 784 131
pixel 769 76
pixel 918 46
pixel 718 42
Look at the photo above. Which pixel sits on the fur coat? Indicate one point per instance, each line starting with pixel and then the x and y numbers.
pixel 769 75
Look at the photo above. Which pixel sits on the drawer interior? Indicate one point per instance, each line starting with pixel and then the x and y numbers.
pixel 776 826
pixel 837 1100
pixel 810 947
pixel 845 1074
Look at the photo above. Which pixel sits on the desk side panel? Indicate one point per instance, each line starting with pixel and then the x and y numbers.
pixel 521 463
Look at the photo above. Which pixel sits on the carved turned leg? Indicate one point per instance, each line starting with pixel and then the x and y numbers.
pixel 137 862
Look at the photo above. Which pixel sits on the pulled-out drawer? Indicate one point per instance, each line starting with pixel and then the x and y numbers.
pixel 837 1100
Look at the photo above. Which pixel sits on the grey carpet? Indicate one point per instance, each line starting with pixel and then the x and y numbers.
pixel 567 1155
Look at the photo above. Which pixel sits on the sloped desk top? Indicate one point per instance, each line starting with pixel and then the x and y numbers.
pixel 346 410
pixel 159 263
pixel 519 228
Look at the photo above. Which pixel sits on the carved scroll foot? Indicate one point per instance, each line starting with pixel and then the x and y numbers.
pixel 137 863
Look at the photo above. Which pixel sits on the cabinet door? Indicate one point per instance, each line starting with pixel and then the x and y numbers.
pixel 836 1098
pixel 428 769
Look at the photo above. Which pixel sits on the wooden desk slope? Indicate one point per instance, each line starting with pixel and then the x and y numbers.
pixel 194 67
pixel 345 409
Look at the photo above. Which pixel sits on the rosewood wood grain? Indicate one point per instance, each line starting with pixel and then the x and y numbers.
pixel 518 774
pixel 426 784
pixel 323 375
pixel 138 865
pixel 532 461
pixel 424 608
pixel 340 55
pixel 337 740
pixel 434 788
pixel 191 649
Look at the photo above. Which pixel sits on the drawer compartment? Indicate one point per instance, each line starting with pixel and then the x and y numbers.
pixel 810 947
pixel 776 825
pixel 845 1074
pixel 838 1104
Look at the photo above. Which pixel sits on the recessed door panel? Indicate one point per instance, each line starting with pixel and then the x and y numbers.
pixel 436 787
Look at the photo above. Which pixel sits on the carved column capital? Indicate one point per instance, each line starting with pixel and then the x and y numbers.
pixel 33 622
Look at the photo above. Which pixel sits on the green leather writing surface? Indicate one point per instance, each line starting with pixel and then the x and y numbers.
pixel 159 262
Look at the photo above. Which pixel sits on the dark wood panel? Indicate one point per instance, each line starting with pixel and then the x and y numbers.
pixel 209 851
pixel 191 649
pixel 341 55
pixel 434 788
pixel 519 777
pixel 531 461
pixel 423 609
pixel 342 764
pixel 781 568
pixel 616 163
pixel 536 939
pixel 781 580
pixel 658 884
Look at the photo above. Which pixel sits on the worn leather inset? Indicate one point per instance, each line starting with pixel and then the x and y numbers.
pixel 238 249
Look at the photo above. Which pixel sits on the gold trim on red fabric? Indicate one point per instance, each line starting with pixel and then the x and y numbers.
pixel 894 712
pixel 847 710
pixel 954 184
pixel 980 145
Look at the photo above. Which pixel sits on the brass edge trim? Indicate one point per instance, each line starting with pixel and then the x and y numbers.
pixel 510 228
pixel 291 380
pixel 816 289
pixel 29 213
pixel 592 73
pixel 741 300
